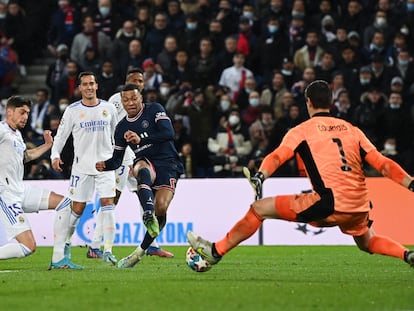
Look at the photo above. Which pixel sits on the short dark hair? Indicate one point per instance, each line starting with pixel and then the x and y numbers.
pixel 133 70
pixel 18 101
pixel 86 73
pixel 130 87
pixel 319 93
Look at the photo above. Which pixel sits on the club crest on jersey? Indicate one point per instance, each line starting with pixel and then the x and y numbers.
pixel 145 124
pixel 105 113
pixel 21 219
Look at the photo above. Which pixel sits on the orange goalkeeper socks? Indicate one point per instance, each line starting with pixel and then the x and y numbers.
pixel 241 231
pixel 383 245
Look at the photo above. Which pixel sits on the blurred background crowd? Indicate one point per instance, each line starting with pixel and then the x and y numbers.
pixel 230 73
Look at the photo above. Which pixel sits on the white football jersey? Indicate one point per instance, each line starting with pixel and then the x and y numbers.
pixel 92 129
pixel 12 147
pixel 116 100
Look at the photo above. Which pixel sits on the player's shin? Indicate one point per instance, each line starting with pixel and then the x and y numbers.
pixel 241 231
pixel 61 231
pixel 66 221
pixel 383 245
pixel 98 233
pixel 145 194
pixel 108 216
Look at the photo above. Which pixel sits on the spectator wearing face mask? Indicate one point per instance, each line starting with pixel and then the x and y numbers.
pixel 189 37
pixel 251 113
pixel 269 55
pixel 120 45
pixel 259 133
pixel 394 121
pixel 230 146
pixel 106 18
pixel 242 100
pixel 379 24
pixel 361 84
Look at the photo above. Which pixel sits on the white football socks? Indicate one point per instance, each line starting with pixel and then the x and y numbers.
pixel 108 217
pixel 14 250
pixel 98 233
pixel 64 225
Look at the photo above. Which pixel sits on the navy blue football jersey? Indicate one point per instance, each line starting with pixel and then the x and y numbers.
pixel 154 128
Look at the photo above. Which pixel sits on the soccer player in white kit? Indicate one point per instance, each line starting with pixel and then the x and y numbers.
pixel 17 198
pixel 122 176
pixel 91 121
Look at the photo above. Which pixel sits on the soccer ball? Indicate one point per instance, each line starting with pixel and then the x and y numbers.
pixel 196 262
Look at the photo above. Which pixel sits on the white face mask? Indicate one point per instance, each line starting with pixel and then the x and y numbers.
pixel 234 120
pixel 62 107
pixel 389 147
pixel 164 90
pixel 248 14
pixel 381 21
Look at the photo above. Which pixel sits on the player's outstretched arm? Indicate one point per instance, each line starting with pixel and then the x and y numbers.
pixel 390 169
pixel 33 154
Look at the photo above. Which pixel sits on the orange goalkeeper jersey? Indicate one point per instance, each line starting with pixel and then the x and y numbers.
pixel 332 151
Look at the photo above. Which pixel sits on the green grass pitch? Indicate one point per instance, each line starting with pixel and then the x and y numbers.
pixel 248 278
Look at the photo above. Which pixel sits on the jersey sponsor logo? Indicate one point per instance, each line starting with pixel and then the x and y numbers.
pixel 94 125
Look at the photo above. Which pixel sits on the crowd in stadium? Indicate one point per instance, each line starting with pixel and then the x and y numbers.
pixel 230 73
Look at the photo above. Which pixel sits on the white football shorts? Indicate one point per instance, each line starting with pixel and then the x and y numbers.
pixel 82 187
pixel 12 216
pixel 123 178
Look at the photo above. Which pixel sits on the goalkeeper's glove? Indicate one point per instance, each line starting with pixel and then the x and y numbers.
pixel 257 182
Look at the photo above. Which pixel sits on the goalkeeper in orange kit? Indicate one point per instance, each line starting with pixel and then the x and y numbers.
pixel 332 151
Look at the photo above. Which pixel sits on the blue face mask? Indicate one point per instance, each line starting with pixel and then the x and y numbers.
pixel 191 26
pixel 410 7
pixel 104 10
pixel 364 81
pixel 272 28
pixel 254 102
pixel 403 62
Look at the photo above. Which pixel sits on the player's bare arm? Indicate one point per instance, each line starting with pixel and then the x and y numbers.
pixel 35 153
pixel 56 163
pixel 132 137
pixel 100 166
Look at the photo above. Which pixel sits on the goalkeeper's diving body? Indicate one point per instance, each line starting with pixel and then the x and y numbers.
pixel 333 151
pixel 148 131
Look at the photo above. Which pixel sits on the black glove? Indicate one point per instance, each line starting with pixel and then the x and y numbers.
pixel 411 186
pixel 257 182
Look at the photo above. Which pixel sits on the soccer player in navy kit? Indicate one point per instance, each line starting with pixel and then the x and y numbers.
pixel 148 131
